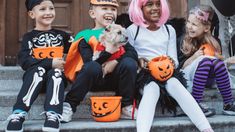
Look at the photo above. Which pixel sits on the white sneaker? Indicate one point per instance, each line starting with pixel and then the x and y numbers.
pixel 67 113
pixel 128 113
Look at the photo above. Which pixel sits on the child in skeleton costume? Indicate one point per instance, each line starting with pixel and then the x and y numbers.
pixel 156 39
pixel 200 57
pixel 41 56
pixel 101 74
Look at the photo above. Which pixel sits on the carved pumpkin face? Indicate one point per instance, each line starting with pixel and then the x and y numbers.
pixel 161 68
pixel 208 49
pixel 106 108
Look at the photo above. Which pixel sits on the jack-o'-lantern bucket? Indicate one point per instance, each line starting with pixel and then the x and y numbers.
pixel 208 49
pixel 161 68
pixel 106 109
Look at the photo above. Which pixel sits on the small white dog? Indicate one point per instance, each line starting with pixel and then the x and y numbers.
pixel 113 34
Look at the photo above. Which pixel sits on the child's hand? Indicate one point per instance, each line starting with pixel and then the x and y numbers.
pixel 219 56
pixel 58 63
pixel 143 63
pixel 198 53
pixel 111 48
pixel 108 67
pixel 230 60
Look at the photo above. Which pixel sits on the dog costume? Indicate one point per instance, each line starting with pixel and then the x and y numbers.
pixel 74 61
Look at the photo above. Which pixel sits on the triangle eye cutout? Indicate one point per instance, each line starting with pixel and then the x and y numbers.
pixel 168 66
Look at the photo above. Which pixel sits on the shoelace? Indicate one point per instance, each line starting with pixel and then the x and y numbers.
pixel 16 116
pixel 52 116
pixel 232 107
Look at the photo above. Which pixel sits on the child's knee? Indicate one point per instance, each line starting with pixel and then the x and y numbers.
pixel 40 71
pixel 92 68
pixel 218 62
pixel 206 61
pixel 129 64
pixel 152 87
pixel 55 72
pixel 173 83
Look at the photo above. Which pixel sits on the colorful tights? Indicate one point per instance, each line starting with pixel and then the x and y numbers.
pixel 204 69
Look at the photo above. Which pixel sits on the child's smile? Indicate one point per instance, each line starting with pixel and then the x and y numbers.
pixel 109 19
pixel 44 14
pixel 103 15
pixel 151 11
pixel 194 27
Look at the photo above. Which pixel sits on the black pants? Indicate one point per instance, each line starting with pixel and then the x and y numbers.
pixel 36 80
pixel 121 80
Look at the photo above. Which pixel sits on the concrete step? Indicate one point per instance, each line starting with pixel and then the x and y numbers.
pixel 10 72
pixel 219 123
pixel 8 99
pixel 10 84
pixel 10 80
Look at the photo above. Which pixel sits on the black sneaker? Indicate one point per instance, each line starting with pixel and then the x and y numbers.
pixel 52 122
pixel 229 109
pixel 208 112
pixel 15 123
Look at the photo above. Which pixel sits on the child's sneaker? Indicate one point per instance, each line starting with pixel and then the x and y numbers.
pixel 208 112
pixel 52 122
pixel 15 123
pixel 129 112
pixel 67 113
pixel 229 109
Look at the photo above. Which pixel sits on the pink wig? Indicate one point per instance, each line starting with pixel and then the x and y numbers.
pixel 136 14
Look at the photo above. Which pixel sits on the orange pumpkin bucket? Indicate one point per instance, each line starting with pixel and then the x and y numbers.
pixel 208 49
pixel 106 109
pixel 161 68
pixel 48 52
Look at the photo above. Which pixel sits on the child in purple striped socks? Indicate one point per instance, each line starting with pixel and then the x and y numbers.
pixel 199 66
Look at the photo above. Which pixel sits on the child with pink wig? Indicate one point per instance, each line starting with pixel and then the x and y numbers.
pixel 151 38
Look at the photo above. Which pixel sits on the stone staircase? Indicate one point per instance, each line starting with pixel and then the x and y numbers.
pixel 10 83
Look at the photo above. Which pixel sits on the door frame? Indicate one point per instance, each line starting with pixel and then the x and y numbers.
pixel 2 30
pixel 9 32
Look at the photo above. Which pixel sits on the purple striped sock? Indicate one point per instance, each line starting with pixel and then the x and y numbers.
pixel 222 80
pixel 200 78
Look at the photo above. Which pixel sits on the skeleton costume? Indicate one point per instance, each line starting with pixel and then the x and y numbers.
pixel 35 57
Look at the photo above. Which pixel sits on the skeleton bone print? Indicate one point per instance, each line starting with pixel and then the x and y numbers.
pixel 48 39
pixel 56 87
pixel 37 78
